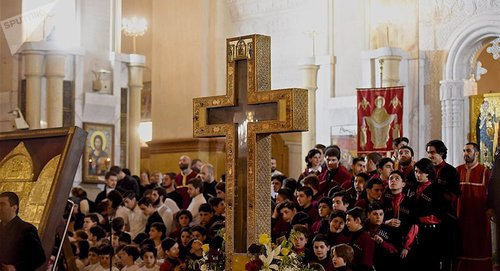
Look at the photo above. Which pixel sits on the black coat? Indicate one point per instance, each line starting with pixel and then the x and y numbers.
pixel 20 245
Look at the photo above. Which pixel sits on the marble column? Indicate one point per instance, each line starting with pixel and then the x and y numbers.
pixel 33 71
pixel 54 72
pixel 135 85
pixel 452 108
pixel 309 73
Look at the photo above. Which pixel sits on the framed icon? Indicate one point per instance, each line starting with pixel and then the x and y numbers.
pixel 98 152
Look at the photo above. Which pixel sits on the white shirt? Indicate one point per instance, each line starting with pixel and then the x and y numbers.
pixel 134 218
pixel 167 216
pixel 194 207
pixel 171 205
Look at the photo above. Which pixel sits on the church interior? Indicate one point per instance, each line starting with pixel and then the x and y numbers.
pixel 129 73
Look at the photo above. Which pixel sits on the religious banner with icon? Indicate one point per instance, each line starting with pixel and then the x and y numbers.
pixel 98 154
pixel 484 126
pixel 380 118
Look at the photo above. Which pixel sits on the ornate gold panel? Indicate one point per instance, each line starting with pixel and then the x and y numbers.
pixel 17 166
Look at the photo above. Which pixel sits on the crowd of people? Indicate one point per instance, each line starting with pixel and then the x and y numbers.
pixel 387 213
pixel 376 213
pixel 149 222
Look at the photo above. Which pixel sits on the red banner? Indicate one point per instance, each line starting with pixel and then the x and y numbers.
pixel 380 118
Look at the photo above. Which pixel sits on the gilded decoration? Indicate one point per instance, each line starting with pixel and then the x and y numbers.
pixel 484 125
pixel 17 166
pixel 34 194
pixel 40 191
pixel 291 115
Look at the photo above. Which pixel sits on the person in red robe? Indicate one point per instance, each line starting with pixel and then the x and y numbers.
pixel 474 223
pixel 182 178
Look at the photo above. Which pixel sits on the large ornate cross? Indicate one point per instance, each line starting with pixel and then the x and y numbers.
pixel 247 115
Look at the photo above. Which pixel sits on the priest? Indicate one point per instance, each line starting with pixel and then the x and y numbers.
pixel 474 223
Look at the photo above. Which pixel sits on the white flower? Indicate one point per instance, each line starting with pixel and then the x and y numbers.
pixel 267 261
pixel 203 267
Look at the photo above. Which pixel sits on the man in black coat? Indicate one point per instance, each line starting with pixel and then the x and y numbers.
pixel 449 181
pixel 20 247
pixel 125 182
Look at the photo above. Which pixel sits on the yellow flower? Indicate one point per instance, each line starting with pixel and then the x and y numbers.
pixel 264 239
pixel 205 247
pixel 285 251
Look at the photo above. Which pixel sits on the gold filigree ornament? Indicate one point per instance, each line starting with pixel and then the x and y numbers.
pixel 40 192
pixel 17 166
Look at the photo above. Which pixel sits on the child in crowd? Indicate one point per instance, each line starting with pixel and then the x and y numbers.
pixel 94 260
pixel 299 237
pixel 340 201
pixel 157 234
pixel 206 214
pixel 172 261
pixel 97 236
pixel 183 219
pixel 128 255
pixel 337 226
pixel 148 256
pixel 106 253
pixel 321 250
pixel 199 233
pixel 90 220
pixel 359 239
pixel 386 252
pixel 195 249
pixel 184 243
pixel 324 210
pixel 342 257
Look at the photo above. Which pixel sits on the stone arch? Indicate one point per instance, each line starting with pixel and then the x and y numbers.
pixel 463 46
pixel 466 41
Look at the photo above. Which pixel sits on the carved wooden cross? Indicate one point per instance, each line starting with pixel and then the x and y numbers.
pixel 246 116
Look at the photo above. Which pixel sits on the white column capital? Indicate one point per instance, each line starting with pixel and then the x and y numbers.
pixel 451 90
pixel 309 71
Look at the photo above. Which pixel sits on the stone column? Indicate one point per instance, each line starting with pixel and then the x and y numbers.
pixel 135 72
pixel 54 72
pixel 452 108
pixel 390 70
pixel 309 72
pixel 33 71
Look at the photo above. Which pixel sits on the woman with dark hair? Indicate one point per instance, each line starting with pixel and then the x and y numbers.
pixel 429 207
pixel 314 165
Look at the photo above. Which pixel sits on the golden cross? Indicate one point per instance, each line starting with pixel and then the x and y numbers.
pixel 247 115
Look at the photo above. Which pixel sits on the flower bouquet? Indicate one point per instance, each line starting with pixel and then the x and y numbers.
pixel 213 257
pixel 269 257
